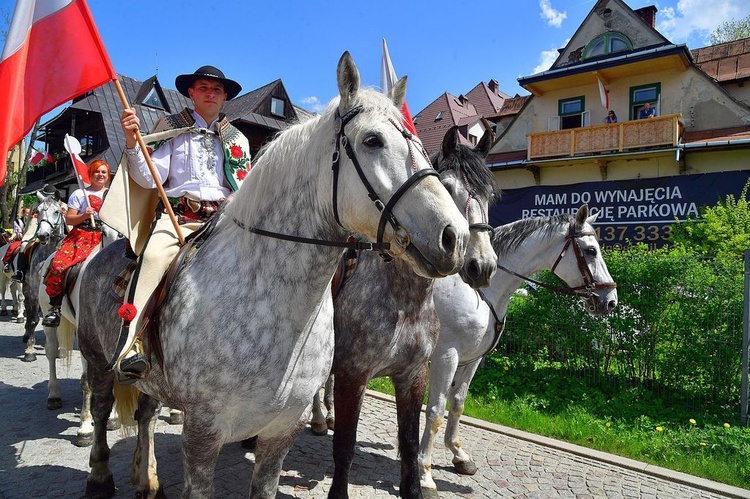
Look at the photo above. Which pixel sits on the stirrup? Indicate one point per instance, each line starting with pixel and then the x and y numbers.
pixel 6 268
pixel 52 319
pixel 132 369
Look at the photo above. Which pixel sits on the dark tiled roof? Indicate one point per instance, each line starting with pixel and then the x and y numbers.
pixel 485 100
pixel 725 62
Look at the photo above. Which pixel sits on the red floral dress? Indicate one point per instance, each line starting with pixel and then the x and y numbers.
pixel 75 248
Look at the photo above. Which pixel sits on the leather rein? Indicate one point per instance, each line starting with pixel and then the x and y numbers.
pixel 585 290
pixel 401 236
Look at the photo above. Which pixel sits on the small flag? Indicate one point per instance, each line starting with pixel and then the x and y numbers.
pixel 53 53
pixel 387 80
pixel 603 94
pixel 73 147
pixel 37 158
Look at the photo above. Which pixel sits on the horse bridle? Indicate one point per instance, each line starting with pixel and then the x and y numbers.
pixel 481 226
pixel 586 290
pixel 54 227
pixel 400 236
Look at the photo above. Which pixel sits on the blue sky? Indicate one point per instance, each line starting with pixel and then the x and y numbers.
pixel 441 45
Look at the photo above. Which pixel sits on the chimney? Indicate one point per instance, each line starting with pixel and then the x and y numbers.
pixel 493 85
pixel 648 14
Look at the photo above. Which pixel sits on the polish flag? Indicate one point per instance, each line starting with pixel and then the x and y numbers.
pixel 603 94
pixel 73 147
pixel 387 80
pixel 52 54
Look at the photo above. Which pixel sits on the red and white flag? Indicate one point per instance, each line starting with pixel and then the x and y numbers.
pixel 387 80
pixel 603 94
pixel 52 54
pixel 73 147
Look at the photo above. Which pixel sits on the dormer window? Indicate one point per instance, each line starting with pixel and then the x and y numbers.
pixel 277 106
pixel 607 43
pixel 153 100
pixel 439 116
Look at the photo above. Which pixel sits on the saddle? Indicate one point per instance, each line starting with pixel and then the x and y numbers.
pixel 344 271
pixel 150 327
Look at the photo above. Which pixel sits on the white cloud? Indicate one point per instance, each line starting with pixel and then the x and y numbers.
pixel 692 21
pixel 546 59
pixel 551 16
pixel 313 104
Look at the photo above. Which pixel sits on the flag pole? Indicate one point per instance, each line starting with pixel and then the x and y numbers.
pixel 151 168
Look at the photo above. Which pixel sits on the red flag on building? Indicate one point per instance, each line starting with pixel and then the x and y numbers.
pixel 387 80
pixel 603 94
pixel 52 54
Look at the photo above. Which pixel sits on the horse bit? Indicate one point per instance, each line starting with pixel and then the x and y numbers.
pixel 401 237
pixel 54 227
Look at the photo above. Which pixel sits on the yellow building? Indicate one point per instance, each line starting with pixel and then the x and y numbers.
pixel 640 174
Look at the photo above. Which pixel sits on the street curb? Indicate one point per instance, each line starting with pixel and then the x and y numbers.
pixel 631 464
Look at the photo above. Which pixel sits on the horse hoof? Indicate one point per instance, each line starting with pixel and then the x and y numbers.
pixel 176 418
pixel 84 439
pixel 465 467
pixel 330 422
pixel 320 430
pixel 429 493
pixel 54 403
pixel 101 490
pixel 20 320
pixel 29 357
pixel 146 494
pixel 113 424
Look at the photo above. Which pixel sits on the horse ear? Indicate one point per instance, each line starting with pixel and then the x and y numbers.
pixel 582 215
pixel 450 141
pixel 40 196
pixel 398 92
pixel 485 143
pixel 348 79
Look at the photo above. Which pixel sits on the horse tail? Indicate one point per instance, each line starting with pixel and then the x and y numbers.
pixel 66 335
pixel 126 401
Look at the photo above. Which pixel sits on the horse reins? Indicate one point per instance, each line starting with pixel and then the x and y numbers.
pixel 499 328
pixel 586 290
pixel 54 227
pixel 481 226
pixel 400 235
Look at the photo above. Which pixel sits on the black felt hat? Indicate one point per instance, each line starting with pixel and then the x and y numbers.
pixel 49 190
pixel 183 82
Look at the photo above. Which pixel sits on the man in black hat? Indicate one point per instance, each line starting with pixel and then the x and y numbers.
pixel 201 159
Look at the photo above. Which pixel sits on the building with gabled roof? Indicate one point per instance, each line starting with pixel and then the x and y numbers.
pixel 471 112
pixel 640 175
pixel 94 119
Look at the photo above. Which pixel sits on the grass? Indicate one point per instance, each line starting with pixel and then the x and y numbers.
pixel 627 421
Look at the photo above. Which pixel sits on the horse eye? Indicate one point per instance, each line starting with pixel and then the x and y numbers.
pixel 373 141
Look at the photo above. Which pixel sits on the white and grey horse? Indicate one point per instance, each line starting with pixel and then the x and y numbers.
pixel 385 321
pixel 245 334
pixel 470 327
pixel 50 231
pixel 59 343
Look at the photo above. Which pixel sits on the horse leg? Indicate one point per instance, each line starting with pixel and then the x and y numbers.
pixel 99 483
pixel 318 421
pixel 51 348
pixel 270 451
pixel 410 392
pixel 200 449
pixel 348 398
pixel 328 401
pixel 143 467
pixel 20 305
pixel 113 422
pixel 457 395
pixel 29 338
pixel 441 375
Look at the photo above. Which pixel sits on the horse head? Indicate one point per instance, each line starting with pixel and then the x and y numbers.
pixel 584 268
pixel 376 157
pixel 473 187
pixel 50 218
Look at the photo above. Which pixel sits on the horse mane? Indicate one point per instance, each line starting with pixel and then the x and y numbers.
pixel 508 237
pixel 299 150
pixel 467 162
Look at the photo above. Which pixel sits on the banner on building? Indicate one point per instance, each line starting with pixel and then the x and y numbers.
pixel 630 211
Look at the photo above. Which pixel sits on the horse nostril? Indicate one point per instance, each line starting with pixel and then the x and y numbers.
pixel 473 270
pixel 449 239
pixel 611 305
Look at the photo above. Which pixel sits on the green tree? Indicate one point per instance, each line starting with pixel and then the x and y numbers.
pixel 731 30
pixel 722 231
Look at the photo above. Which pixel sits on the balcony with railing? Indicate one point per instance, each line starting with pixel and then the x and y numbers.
pixel 661 131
